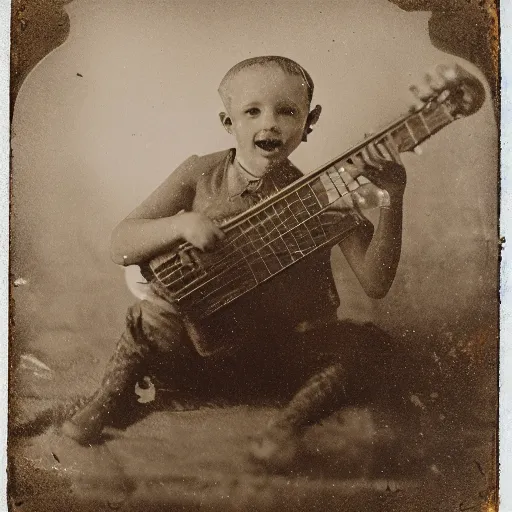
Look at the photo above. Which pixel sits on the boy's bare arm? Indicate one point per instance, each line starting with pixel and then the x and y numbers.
pixel 158 224
pixel 374 259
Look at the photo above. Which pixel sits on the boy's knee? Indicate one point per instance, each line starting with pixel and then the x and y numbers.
pixel 159 328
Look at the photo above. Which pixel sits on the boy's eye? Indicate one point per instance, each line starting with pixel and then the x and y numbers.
pixel 253 111
pixel 287 111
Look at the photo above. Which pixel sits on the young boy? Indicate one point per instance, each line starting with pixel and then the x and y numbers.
pixel 267 102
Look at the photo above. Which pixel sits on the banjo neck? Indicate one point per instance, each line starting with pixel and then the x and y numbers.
pixel 406 133
pixel 294 222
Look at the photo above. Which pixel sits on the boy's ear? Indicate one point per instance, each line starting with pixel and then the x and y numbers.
pixel 226 122
pixel 312 119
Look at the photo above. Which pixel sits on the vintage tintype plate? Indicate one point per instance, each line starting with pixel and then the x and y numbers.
pixel 290 357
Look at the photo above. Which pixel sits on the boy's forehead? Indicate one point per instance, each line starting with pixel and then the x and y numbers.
pixel 258 82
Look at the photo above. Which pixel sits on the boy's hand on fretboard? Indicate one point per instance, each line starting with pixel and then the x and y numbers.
pixel 381 165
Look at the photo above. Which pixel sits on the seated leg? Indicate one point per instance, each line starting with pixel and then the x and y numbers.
pixel 152 326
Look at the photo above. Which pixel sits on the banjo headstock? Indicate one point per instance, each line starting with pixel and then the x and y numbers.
pixel 463 93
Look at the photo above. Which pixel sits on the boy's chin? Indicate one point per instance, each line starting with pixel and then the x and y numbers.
pixel 271 156
pixel 258 158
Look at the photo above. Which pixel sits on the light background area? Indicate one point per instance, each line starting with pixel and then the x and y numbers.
pixel 87 149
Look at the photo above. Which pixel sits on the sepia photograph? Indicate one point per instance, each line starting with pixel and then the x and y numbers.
pixel 254 255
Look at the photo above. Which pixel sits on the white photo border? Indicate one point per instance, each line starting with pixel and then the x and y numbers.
pixel 505 379
pixel 5 16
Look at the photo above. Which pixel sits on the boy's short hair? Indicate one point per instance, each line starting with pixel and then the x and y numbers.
pixel 287 65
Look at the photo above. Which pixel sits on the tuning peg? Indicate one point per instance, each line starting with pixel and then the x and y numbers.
pixel 444 94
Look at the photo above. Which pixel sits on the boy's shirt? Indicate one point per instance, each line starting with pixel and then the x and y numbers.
pixel 223 190
pixel 302 295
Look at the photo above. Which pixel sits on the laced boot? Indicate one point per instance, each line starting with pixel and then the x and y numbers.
pixel 86 426
pixel 280 444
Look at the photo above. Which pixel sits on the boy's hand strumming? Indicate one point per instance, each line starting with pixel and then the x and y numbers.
pixel 198 230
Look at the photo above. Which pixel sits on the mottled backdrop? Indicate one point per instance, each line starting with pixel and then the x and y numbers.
pixel 103 119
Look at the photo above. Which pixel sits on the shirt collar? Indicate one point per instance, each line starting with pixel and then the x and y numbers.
pixel 238 180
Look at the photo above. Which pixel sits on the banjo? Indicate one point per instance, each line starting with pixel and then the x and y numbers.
pixel 313 213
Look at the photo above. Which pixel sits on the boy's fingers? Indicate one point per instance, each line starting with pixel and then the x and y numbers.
pixel 449 73
pixel 349 171
pixel 364 158
pixel 421 94
pixel 384 151
pixel 359 165
pixel 367 170
pixel 373 176
pixel 218 232
pixel 372 157
pixel 376 157
pixel 389 149
pixel 435 81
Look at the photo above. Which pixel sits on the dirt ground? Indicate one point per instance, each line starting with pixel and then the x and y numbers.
pixel 180 456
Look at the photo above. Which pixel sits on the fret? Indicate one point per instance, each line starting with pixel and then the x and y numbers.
pixel 226 288
pixel 418 127
pixel 304 238
pixel 260 259
pixel 271 260
pixel 421 125
pixel 350 183
pixel 295 236
pixel 437 117
pixel 244 250
pixel 255 228
pixel 264 227
pixel 309 200
pixel 283 254
pixel 254 260
pixel 292 245
pixel 298 208
pixel 247 261
pixel 408 128
pixel 243 243
pixel 259 268
pixel 315 194
pixel 185 277
pixel 339 183
pixel 286 219
pixel 288 207
pixel 330 188
pixel 278 244
pixel 425 124
pixel 402 139
pixel 317 230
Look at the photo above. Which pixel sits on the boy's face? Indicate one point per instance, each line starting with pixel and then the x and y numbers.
pixel 268 110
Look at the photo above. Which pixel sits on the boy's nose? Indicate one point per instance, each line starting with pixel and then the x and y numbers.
pixel 269 121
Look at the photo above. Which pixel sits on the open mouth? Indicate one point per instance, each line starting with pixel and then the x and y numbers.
pixel 269 144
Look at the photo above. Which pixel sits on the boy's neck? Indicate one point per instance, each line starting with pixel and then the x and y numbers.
pixel 253 170
pixel 251 174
